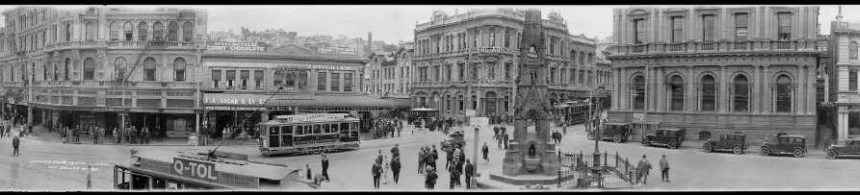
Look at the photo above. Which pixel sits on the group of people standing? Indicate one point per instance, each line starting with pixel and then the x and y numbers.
pixel 382 164
pixel 643 169
pixel 500 134
pixel 385 128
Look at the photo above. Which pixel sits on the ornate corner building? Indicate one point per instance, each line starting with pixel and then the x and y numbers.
pixel 99 65
pixel 844 41
pixel 468 62
pixel 715 70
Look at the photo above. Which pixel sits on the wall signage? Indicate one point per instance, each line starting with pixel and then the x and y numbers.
pixel 194 169
pixel 235 46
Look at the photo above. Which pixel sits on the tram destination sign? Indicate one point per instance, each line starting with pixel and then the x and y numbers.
pixel 194 169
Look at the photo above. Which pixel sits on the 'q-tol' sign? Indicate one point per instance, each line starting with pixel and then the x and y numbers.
pixel 194 169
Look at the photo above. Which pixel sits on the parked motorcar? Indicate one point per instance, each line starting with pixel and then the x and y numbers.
pixel 785 144
pixel 670 137
pixel 728 142
pixel 849 147
pixel 617 132
pixel 454 140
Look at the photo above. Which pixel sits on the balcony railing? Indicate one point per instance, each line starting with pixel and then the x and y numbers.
pixel 741 46
pixel 61 45
pixel 783 45
pixel 638 48
pixel 678 47
pixel 723 46
pixel 708 46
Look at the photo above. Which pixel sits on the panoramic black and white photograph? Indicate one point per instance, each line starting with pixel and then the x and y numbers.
pixel 440 98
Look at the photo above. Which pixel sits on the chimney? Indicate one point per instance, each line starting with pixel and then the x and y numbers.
pixel 839 16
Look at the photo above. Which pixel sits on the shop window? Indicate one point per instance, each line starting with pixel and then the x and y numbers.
pixel 244 75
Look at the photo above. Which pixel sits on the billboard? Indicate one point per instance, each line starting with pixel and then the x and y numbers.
pixel 235 46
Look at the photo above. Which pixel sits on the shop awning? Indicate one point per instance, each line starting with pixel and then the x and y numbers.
pixel 423 109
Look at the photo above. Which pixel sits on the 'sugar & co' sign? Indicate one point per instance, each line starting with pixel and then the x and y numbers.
pixel 194 169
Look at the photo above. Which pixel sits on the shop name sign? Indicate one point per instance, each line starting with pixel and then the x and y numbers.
pixel 239 101
pixel 194 169
pixel 235 46
pixel 326 67
pixel 311 117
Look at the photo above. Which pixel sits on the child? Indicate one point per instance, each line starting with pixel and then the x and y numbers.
pixel 385 170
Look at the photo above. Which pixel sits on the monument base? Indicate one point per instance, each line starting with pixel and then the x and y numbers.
pixel 495 179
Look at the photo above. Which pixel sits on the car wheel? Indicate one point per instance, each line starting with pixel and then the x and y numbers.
pixel 673 144
pixel 832 155
pixel 617 139
pixel 798 153
pixel 765 151
pixel 707 147
pixel 737 150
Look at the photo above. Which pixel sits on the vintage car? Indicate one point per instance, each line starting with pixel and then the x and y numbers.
pixel 670 137
pixel 617 132
pixel 785 144
pixel 728 142
pixel 453 140
pixel 849 147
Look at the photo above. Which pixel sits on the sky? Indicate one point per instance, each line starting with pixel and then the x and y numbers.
pixel 393 23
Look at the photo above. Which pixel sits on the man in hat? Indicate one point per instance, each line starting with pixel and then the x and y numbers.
pixel 469 171
pixel 644 167
pixel 430 179
pixel 325 167
pixel 376 170
pixel 485 150
pixel 395 168
pixel 15 143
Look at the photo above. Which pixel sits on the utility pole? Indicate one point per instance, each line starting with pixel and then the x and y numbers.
pixel 30 73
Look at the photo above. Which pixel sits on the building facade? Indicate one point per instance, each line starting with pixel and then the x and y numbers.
pixel 466 64
pixel 248 83
pixel 715 70
pixel 99 66
pixel 389 74
pixel 844 39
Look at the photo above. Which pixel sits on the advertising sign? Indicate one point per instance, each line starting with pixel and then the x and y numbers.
pixel 479 121
pixel 234 46
pixel 194 169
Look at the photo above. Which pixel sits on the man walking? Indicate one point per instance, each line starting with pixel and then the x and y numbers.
pixel 485 150
pixel 644 167
pixel 377 172
pixel 455 176
pixel 430 179
pixel 395 168
pixel 15 143
pixel 325 167
pixel 664 168
pixel 469 171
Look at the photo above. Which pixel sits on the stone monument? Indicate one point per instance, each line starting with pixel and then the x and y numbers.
pixel 531 151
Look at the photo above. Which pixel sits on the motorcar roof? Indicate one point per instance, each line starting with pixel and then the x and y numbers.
pixel 799 136
pixel 670 129
pixel 615 123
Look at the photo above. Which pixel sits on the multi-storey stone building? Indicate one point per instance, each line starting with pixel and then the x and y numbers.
pixel 99 65
pixel 844 39
pixel 715 70
pixel 468 61
pixel 249 83
pixel 390 73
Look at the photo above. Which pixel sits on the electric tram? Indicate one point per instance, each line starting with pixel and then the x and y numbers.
pixel 572 112
pixel 309 133
pixel 158 170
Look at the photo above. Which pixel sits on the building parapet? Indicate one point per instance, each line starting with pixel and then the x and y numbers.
pixel 501 12
pixel 714 47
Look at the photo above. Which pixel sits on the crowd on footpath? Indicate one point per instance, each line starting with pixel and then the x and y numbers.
pixel 386 128
pixel 128 135
pixel 385 169
pixel 500 134
pixel 234 132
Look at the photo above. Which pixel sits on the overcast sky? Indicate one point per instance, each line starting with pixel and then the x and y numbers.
pixel 392 23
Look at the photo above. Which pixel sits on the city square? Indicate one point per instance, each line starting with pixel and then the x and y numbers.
pixel 483 98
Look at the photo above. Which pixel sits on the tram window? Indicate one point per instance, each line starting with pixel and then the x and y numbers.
pixel 334 128
pixel 287 130
pixel 307 129
pixel 325 129
pixel 273 130
pixel 344 127
pixel 158 183
pixel 317 129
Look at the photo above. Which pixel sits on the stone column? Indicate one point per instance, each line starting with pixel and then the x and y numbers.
pixel 767 101
pixel 623 94
pixel 810 90
pixel 799 100
pixel 723 102
pixel 615 92
pixel 691 100
pixel 652 89
pixel 661 90
pixel 842 121
pixel 757 100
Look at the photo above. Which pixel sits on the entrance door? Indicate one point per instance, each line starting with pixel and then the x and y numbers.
pixel 490 107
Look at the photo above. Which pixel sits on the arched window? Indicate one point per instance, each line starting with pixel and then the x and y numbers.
pixel 581 58
pixel 68 32
pixel 89 69
pixel 573 57
pixel 114 31
pixel 56 72
pixel 141 31
pixel 149 69
pixel 188 32
pixel 852 50
pixel 639 93
pixel 121 68
pixel 91 31
pixel 66 70
pixel 179 69
pixel 677 90
pixel 590 58
pixel 460 100
pixel 741 94
pixel 157 31
pixel 173 32
pixel 127 28
pixel 709 93
pixel 45 69
pixel 783 94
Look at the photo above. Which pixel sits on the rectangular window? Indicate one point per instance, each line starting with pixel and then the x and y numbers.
pixel 474 71
pixel 639 29
pixel 852 80
pixel 491 71
pixel 551 75
pixel 708 28
pixel 677 29
pixel 258 78
pixel 784 26
pixel 493 38
pixel 290 80
pixel 460 71
pixel 507 39
pixel 231 76
pixel 335 81
pixel 507 71
pixel 321 81
pixel 347 82
pixel 278 80
pixel 741 26
pixel 244 75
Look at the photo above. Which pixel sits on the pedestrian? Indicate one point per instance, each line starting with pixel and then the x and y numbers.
pixel 462 158
pixel 395 151
pixel 308 171
pixel 449 155
pixel 224 134
pixel 485 150
pixel 455 176
pixel 395 168
pixel 379 157
pixel 644 167
pixel 421 155
pixel 468 172
pixel 377 172
pixel 325 167
pixel 507 138
pixel 496 132
pixel 500 141
pixel 385 169
pixel 15 143
pixel 435 156
pixel 664 168
pixel 430 179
